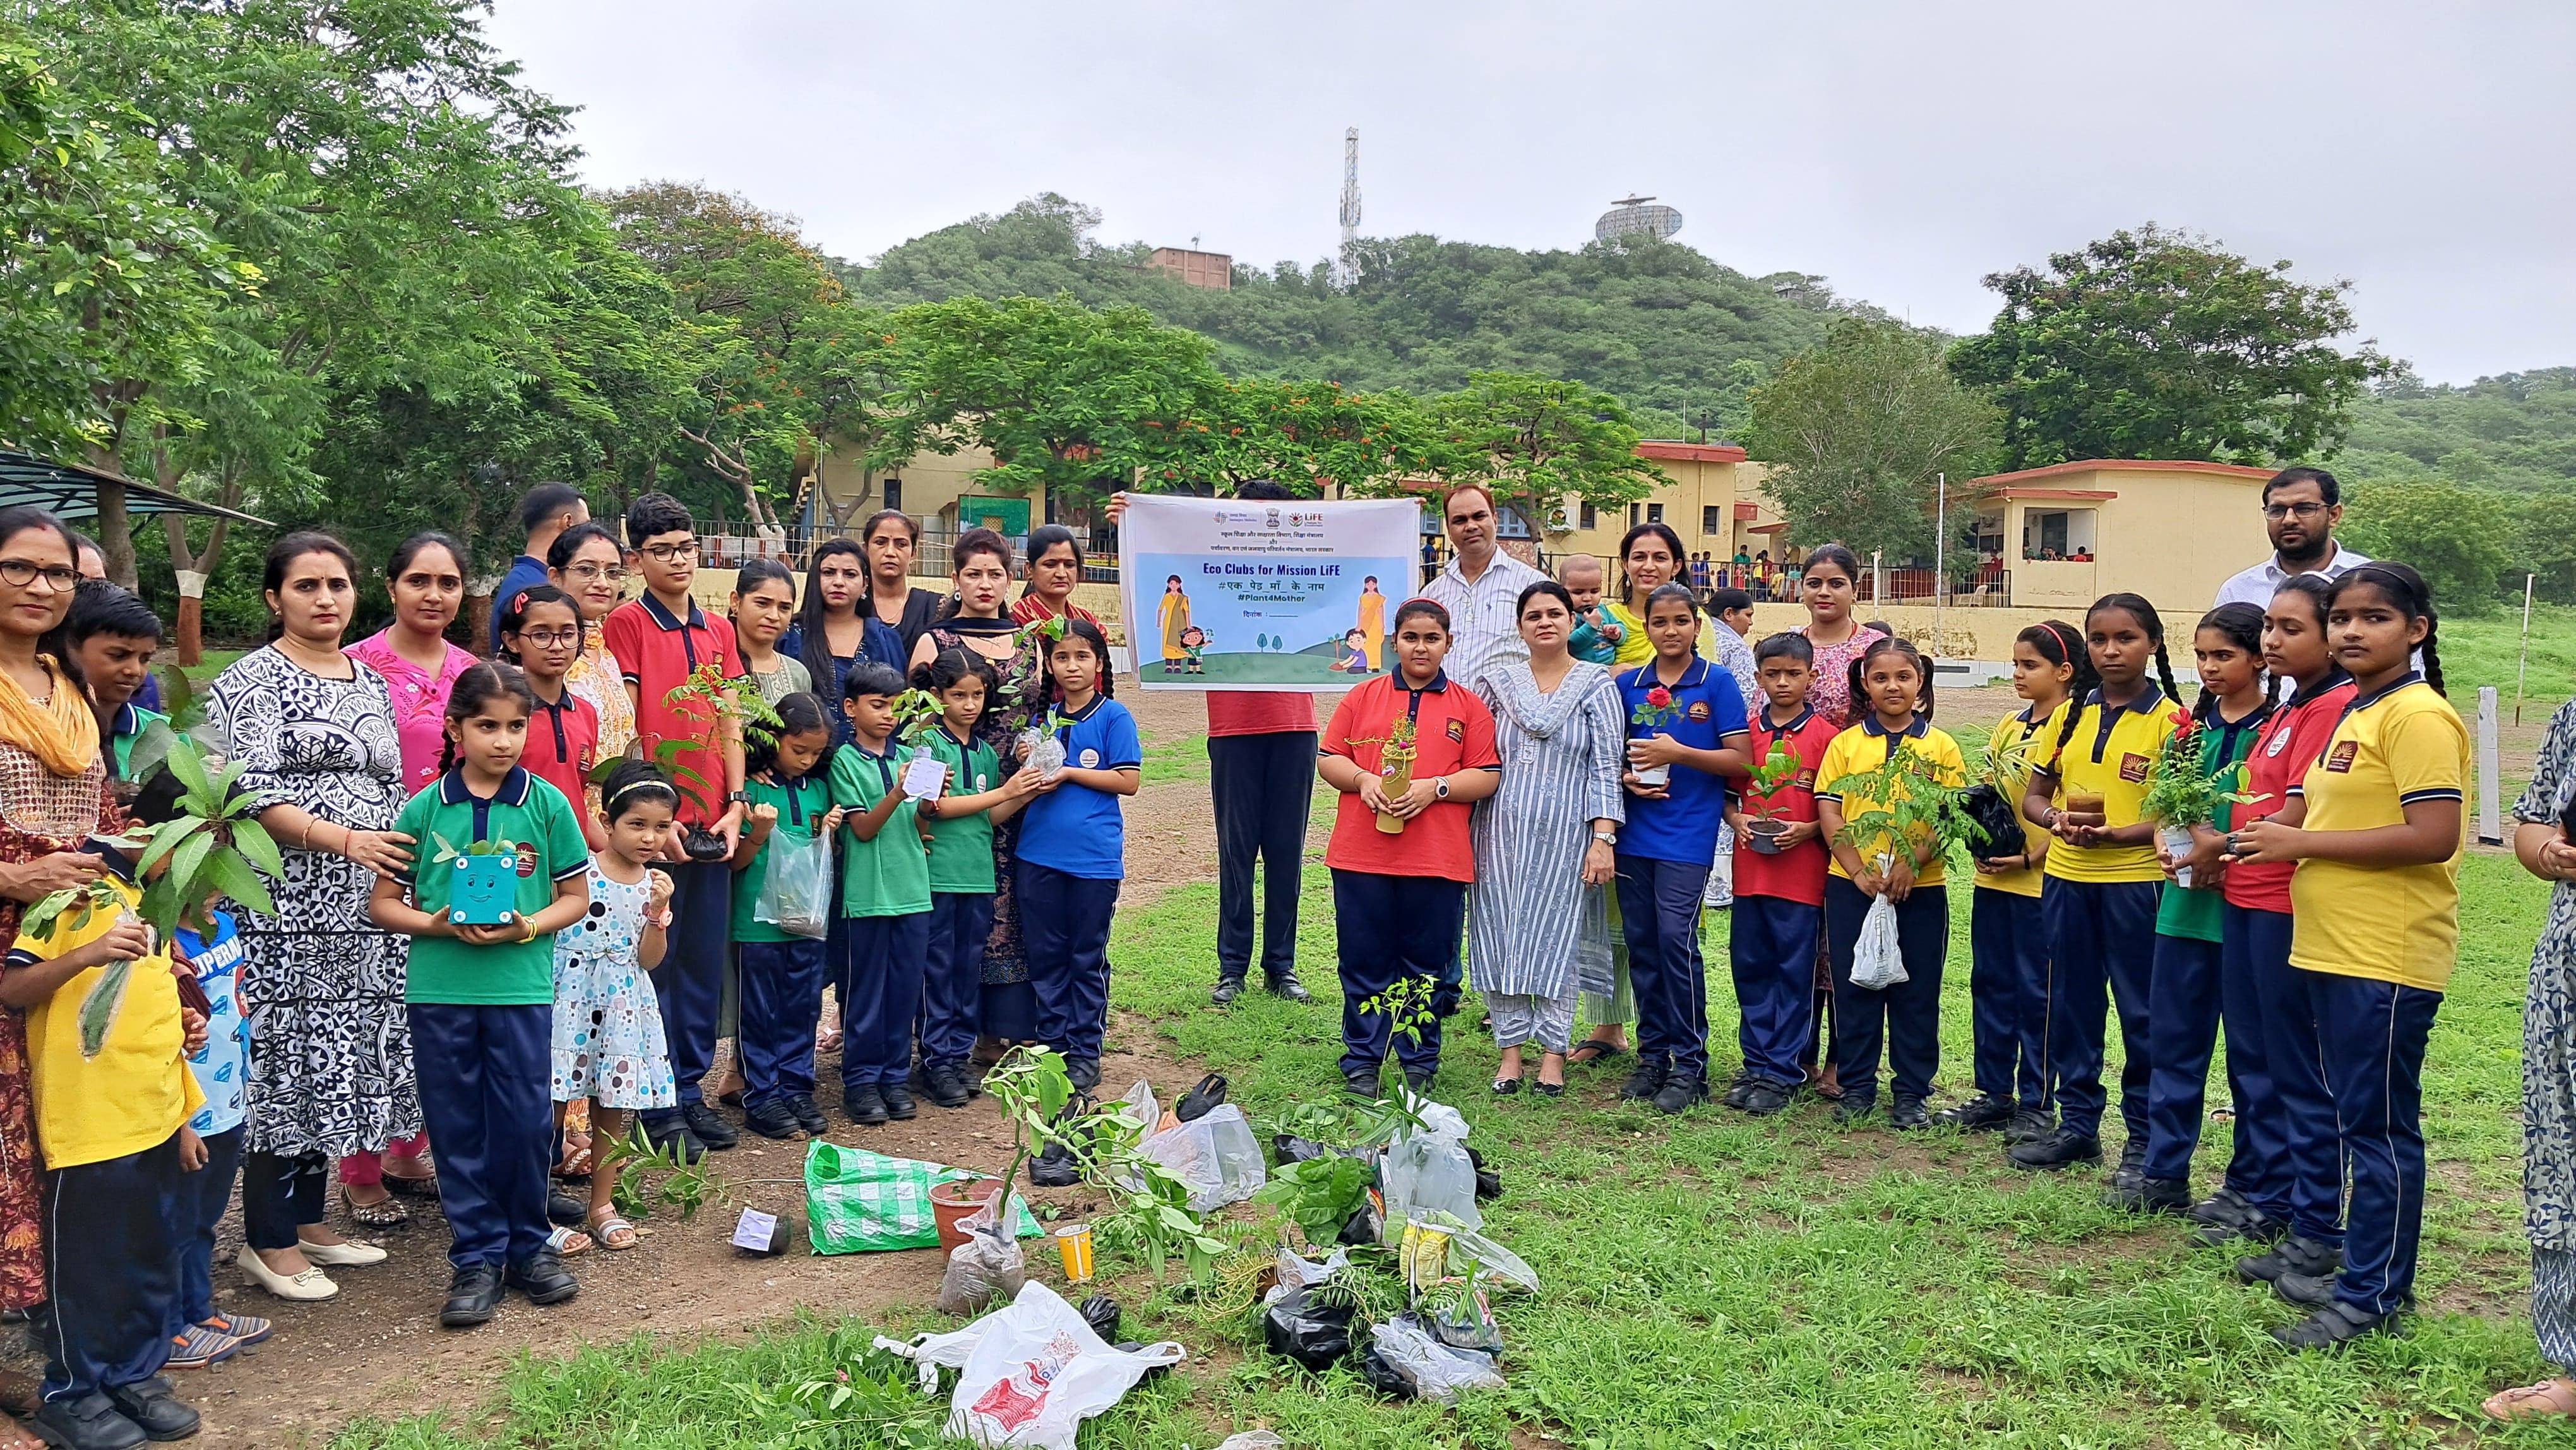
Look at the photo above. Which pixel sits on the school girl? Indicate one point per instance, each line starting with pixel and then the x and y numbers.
pixel 541 634
pixel 2185 1000
pixel 885 894
pixel 789 793
pixel 2377 826
pixel 974 796
pixel 2100 881
pixel 1893 682
pixel 2286 1182
pixel 1073 851
pixel 481 998
pixel 1399 898
pixel 2007 940
pixel 1686 724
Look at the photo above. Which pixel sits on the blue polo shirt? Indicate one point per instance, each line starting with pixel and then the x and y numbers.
pixel 526 572
pixel 1707 708
pixel 1073 828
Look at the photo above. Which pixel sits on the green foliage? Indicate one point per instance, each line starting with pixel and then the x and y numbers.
pixel 1151 1219
pixel 1539 440
pixel 1319 1195
pixel 1769 774
pixel 2513 431
pixel 2461 539
pixel 1305 433
pixel 1859 428
pixel 2157 344
pixel 685 1184
pixel 1911 800
pixel 2181 790
pixel 1406 1005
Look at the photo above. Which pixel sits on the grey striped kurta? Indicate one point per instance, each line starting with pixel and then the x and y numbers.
pixel 1561 755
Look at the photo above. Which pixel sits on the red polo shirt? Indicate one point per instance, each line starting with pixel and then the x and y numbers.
pixel 1452 731
pixel 2282 751
pixel 563 744
pixel 656 652
pixel 1798 874
pixel 1258 712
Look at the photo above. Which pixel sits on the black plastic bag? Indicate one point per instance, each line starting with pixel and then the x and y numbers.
pixel 1383 1377
pixel 1199 1101
pixel 1999 819
pixel 1102 1314
pixel 1489 1184
pixel 1317 1336
pixel 1054 1166
pixel 1367 1226
pixel 1289 1148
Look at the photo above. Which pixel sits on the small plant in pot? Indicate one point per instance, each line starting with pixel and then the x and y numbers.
pixel 2185 792
pixel 1769 822
pixel 1658 709
pixel 713 701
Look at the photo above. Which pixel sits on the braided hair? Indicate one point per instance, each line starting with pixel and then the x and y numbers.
pixel 2243 626
pixel 2137 608
pixel 482 683
pixel 1893 644
pixel 2400 585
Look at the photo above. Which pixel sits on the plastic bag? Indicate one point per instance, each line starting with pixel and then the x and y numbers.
pixel 1315 1335
pixel 1489 1182
pixel 1140 1107
pixel 1878 963
pixel 1216 1155
pixel 1029 1373
pixel 1402 1351
pixel 1298 1272
pixel 857 1201
pixel 1469 1324
pixel 1199 1101
pixel 986 1267
pixel 1102 1313
pixel 796 895
pixel 1428 1171
pixel 1253 1440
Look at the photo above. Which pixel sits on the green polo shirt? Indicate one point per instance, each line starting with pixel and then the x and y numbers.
pixel 961 847
pixel 131 721
pixel 800 805
pixel 2197 914
pixel 446 818
pixel 889 876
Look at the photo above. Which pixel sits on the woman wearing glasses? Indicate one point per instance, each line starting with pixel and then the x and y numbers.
pixel 586 563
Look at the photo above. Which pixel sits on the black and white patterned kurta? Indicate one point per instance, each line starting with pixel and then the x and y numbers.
pixel 330 1046
pixel 1561 753
pixel 2549 1017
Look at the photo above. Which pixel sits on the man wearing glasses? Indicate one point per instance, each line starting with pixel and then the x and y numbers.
pixel 2301 507
pixel 548 510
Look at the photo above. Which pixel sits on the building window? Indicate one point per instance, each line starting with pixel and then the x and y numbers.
pixel 1635 512
pixel 1711 519
pixel 1654 513
pixel 894 493
pixel 1591 517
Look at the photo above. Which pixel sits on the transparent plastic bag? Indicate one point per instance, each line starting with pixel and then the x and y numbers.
pixel 1428 1172
pixel 1878 962
pixel 988 1266
pixel 796 895
pixel 1215 1155
pixel 1406 1353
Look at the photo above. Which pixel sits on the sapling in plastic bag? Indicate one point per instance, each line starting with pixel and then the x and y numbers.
pixel 1878 961
pixel 1404 1351
pixel 1216 1156
pixel 988 1266
pixel 796 895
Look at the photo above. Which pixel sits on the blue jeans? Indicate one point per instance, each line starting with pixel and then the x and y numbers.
pixel 1772 949
pixel 2008 995
pixel 2101 945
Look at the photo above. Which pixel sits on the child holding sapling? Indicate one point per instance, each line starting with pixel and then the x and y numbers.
pixel 974 796
pixel 1073 851
pixel 783 965
pixel 1780 861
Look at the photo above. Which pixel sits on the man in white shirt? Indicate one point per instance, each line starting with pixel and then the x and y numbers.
pixel 1480 586
pixel 2301 507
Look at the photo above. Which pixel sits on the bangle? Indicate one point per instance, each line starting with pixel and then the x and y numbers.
pixel 304 841
pixel 527 929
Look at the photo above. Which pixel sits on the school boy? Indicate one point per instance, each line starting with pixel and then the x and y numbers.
pixel 200 1333
pixel 112 636
pixel 962 885
pixel 1073 854
pixel 1779 894
pixel 659 641
pixel 112 1127
pixel 885 898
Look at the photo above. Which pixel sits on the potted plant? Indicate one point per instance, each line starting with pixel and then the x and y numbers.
pixel 1657 710
pixel 1395 767
pixel 708 697
pixel 2182 793
pixel 1769 821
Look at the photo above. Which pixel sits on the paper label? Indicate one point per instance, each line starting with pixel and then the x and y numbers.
pixel 922 778
pixel 755 1231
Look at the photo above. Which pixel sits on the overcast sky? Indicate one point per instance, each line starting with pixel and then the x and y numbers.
pixel 1902 150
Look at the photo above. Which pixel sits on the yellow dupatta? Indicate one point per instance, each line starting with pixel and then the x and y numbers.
pixel 62 732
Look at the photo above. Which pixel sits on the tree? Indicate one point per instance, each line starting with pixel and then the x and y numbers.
pixel 2548 544
pixel 2155 344
pixel 1541 441
pixel 1857 432
pixel 1081 402
pixel 2460 539
pixel 1305 434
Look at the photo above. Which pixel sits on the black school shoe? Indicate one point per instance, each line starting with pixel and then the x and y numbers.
pixel 1645 1082
pixel 898 1100
pixel 2308 1291
pixel 709 1127
pixel 1855 1107
pixel 2150 1195
pixel 2226 1217
pixel 1984 1113
pixel 2133 1162
pixel 1739 1090
pixel 2334 1326
pixel 2292 1255
pixel 1285 984
pixel 472 1296
pixel 673 1133
pixel 2060 1150
pixel 1766 1098
pixel 2028 1125
pixel 1082 1072
pixel 773 1119
pixel 865 1105
pixel 88 1423
pixel 809 1114
pixel 543 1278
pixel 155 1409
pixel 944 1085
pixel 1909 1116
pixel 1419 1081
pixel 566 1210
pixel 1360 1084
pixel 1680 1093
pixel 1227 989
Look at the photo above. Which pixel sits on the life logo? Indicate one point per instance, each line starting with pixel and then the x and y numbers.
pixel 2280 742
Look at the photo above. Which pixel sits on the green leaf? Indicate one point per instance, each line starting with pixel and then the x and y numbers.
pixel 99 1006
pixel 258 847
pixel 191 771
pixel 165 839
pixel 232 876
pixel 151 748
pixel 187 861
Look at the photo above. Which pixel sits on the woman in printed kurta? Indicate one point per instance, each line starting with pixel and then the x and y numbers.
pixel 2549 1074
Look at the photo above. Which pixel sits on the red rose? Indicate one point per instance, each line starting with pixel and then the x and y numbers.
pixel 1660 698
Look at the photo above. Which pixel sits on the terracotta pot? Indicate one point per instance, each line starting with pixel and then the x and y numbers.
pixel 952 1203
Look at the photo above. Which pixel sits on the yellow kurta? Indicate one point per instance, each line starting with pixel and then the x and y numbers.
pixel 1176 622
pixel 1372 624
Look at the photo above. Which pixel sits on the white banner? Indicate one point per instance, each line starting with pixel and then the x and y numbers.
pixel 1245 594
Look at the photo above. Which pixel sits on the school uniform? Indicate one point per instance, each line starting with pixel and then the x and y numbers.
pixel 563 744
pixel 2008 955
pixel 2375 946
pixel 125 730
pixel 1072 855
pixel 1906 1016
pixel 2099 906
pixel 222 1070
pixel 1398 900
pixel 1779 908
pixel 482 1017
pixel 885 896
pixel 115 1230
pixel 1664 854
pixel 2186 998
pixel 781 973
pixel 2289 1162
pixel 962 884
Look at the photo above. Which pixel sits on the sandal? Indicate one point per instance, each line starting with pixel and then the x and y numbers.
pixel 1591 1050
pixel 388 1214
pixel 567 1242
pixel 576 1162
pixel 1506 1086
pixel 2530 1402
pixel 424 1185
pixel 1548 1089
pixel 612 1232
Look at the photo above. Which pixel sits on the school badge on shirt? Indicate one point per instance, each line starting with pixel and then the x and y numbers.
pixel 1698 712
pixel 1457 730
pixel 2133 767
pixel 2280 742
pixel 2340 760
pixel 527 859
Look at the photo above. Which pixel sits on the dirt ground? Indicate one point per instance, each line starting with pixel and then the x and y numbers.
pixel 377 1350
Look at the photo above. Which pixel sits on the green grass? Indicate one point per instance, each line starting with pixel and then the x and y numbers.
pixel 1715 1282
pixel 2483 651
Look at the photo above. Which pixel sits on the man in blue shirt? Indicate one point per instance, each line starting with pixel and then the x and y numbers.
pixel 548 510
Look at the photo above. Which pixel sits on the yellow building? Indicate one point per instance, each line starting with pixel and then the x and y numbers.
pixel 2063 536
pixel 1714 502
pixel 938 489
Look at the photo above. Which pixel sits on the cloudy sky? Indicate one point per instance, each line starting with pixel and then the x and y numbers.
pixel 1902 150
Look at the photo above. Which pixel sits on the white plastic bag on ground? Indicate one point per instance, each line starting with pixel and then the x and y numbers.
pixel 1434 1370
pixel 1878 963
pixel 988 1266
pixel 1029 1374
pixel 1296 1271
pixel 1254 1440
pixel 1216 1155
pixel 1428 1172
pixel 1139 1106
pixel 1496 1261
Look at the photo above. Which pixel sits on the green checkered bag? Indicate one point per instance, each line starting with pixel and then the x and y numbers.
pixel 857 1201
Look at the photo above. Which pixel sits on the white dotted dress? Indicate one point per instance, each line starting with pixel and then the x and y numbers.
pixel 608 1023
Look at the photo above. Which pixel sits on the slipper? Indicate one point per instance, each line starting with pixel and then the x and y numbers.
pixel 576 1163
pixel 567 1242
pixel 423 1186
pixel 2549 1397
pixel 1506 1086
pixel 1592 1050
pixel 612 1232
pixel 388 1214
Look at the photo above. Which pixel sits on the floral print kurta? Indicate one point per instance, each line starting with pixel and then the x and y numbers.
pixel 2549 1016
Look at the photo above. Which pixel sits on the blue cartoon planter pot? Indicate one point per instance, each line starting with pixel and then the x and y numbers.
pixel 485 892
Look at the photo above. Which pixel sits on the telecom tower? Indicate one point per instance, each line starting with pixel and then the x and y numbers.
pixel 1350 201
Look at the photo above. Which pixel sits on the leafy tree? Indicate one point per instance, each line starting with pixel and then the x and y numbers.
pixel 1857 432
pixel 2513 430
pixel 2462 540
pixel 2156 344
pixel 1305 434
pixel 2548 545
pixel 1541 440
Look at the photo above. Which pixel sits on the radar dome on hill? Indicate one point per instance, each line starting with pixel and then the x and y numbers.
pixel 1630 216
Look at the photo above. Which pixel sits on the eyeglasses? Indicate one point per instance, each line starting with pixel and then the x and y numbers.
pixel 2292 510
pixel 590 573
pixel 19 573
pixel 551 638
pixel 665 553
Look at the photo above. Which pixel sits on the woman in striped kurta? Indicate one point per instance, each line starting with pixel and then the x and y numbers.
pixel 1541 922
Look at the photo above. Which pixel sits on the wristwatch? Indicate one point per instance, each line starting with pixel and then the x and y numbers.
pixel 1440 787
pixel 1606 838
pixel 738 798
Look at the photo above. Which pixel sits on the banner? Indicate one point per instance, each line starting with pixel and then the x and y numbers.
pixel 1242 594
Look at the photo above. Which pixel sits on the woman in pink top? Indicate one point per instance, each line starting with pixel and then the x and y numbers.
pixel 427 580
pixel 1829 586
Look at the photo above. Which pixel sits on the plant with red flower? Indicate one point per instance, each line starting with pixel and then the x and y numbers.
pixel 1658 708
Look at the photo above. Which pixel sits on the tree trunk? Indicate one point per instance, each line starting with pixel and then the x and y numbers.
pixel 188 567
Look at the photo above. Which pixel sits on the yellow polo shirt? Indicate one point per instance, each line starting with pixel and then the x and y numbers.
pixel 2008 732
pixel 1867 746
pixel 137 1091
pixel 2109 754
pixel 2388 923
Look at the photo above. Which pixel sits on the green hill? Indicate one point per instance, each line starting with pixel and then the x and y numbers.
pixel 2515 430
